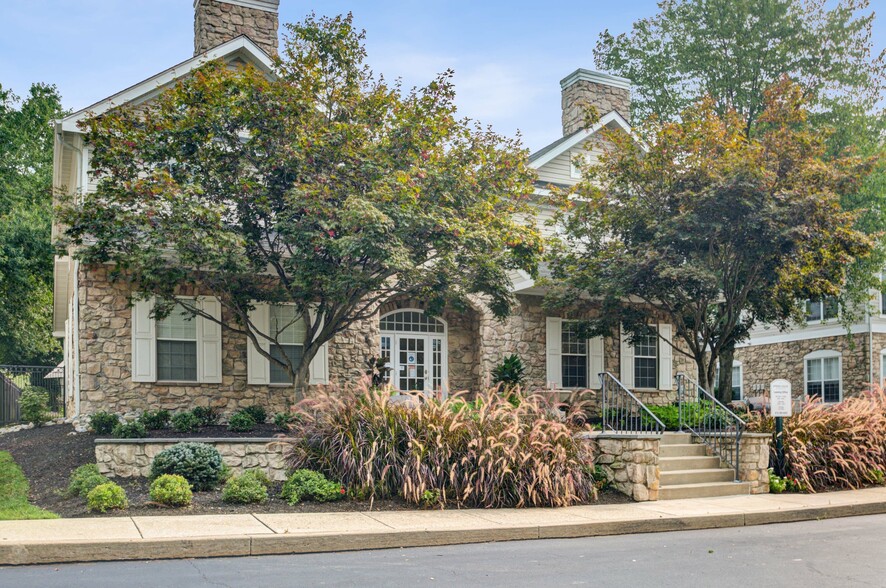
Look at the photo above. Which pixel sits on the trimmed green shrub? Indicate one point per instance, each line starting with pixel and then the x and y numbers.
pixel 241 422
pixel 185 422
pixel 155 419
pixel 244 489
pixel 133 430
pixel 34 405
pixel 207 415
pixel 258 413
pixel 103 422
pixel 84 479
pixel 310 485
pixel 171 490
pixel 199 463
pixel 283 419
pixel 259 475
pixel 105 497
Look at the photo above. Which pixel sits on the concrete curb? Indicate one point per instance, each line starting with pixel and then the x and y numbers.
pixel 276 543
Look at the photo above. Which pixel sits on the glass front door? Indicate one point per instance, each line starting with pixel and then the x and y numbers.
pixel 416 363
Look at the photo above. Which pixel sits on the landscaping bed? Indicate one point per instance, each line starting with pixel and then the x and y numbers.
pixel 48 455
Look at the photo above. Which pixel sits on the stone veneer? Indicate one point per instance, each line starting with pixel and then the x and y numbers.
pixel 218 21
pixel 763 363
pixel 582 93
pixel 631 462
pixel 753 462
pixel 130 458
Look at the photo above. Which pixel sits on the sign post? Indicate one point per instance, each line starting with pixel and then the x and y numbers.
pixel 780 405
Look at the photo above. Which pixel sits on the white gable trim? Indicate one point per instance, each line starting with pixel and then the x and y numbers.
pixel 153 85
pixel 580 137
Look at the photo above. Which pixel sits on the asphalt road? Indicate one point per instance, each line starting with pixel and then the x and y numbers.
pixel 833 553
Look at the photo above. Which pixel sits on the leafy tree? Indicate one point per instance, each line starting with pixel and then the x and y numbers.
pixel 732 50
pixel 26 253
pixel 712 230
pixel 321 186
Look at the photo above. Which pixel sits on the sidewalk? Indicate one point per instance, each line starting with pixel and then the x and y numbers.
pixel 159 537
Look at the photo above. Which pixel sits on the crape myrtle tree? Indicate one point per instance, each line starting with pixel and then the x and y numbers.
pixel 731 51
pixel 710 230
pixel 320 186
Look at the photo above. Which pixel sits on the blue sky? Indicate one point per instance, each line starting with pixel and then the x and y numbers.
pixel 508 56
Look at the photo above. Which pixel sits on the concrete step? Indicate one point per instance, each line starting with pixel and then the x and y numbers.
pixel 676 438
pixel 671 464
pixel 682 450
pixel 703 490
pixel 679 477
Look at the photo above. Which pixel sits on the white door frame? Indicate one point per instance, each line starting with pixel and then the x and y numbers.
pixel 394 364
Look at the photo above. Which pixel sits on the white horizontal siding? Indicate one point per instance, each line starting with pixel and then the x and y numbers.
pixel 559 169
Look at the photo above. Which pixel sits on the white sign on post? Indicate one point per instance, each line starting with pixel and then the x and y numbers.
pixel 780 402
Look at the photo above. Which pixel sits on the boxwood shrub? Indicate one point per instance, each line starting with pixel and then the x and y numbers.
pixel 84 479
pixel 103 422
pixel 155 419
pixel 245 489
pixel 171 490
pixel 310 485
pixel 132 430
pixel 200 464
pixel 258 413
pixel 186 422
pixel 241 422
pixel 105 497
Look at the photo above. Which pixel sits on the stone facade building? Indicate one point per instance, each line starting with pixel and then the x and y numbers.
pixel 119 358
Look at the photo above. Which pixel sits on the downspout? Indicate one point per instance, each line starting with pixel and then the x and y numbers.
pixel 871 348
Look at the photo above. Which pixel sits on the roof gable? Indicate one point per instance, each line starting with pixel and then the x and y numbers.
pixel 241 47
pixel 564 144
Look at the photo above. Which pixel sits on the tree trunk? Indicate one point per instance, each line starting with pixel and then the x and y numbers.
pixel 301 378
pixel 703 378
pixel 724 385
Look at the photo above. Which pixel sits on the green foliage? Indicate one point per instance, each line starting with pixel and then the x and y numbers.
pixel 34 405
pixel 258 413
pixel 131 430
pixel 206 415
pixel 14 493
pixel 511 372
pixel 103 422
pixel 732 50
pixel 348 187
pixel 282 420
pixel 777 484
pixel 241 422
pixel 431 498
pixel 713 230
pixel 171 490
pixel 186 422
pixel 199 463
pixel 245 489
pixel 494 455
pixel 310 485
pixel 876 476
pixel 601 478
pixel 259 475
pixel 26 251
pixel 155 419
pixel 695 414
pixel 83 479
pixel 105 497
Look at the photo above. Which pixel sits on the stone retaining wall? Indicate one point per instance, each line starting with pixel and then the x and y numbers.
pixel 631 462
pixel 753 463
pixel 130 458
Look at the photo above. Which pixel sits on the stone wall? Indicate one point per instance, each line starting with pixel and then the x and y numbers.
pixel 129 458
pixel 631 462
pixel 763 363
pixel 217 21
pixel 753 463
pixel 582 93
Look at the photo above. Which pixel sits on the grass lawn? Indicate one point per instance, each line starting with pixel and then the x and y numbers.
pixel 14 493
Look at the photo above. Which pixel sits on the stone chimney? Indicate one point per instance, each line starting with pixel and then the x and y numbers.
pixel 583 88
pixel 218 21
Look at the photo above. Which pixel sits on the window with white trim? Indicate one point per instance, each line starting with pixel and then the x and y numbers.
pixel 823 370
pixel 574 356
pixel 288 329
pixel 177 346
pixel 822 310
pixel 646 361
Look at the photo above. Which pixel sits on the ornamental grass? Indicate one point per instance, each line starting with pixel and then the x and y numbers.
pixel 486 453
pixel 832 446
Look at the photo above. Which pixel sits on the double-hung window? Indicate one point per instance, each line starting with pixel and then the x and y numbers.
pixel 177 347
pixel 822 310
pixel 823 376
pixel 288 330
pixel 574 358
pixel 646 361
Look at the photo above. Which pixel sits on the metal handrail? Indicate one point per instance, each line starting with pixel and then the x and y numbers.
pixel 716 426
pixel 622 411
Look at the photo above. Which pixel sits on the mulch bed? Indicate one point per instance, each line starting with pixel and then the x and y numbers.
pixel 48 455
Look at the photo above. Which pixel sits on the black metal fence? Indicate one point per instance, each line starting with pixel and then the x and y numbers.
pixel 14 379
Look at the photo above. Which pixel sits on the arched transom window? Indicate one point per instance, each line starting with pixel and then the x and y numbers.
pixel 413 345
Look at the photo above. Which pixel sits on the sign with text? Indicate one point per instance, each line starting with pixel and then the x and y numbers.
pixel 780 401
